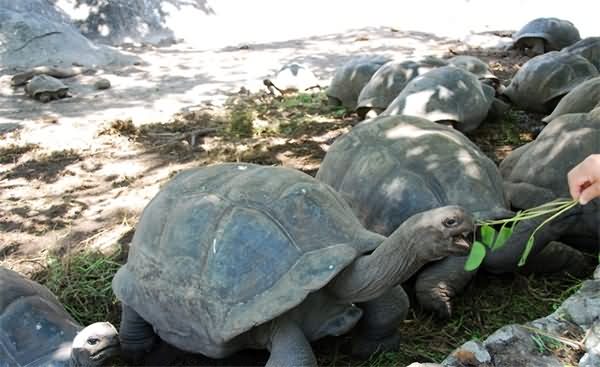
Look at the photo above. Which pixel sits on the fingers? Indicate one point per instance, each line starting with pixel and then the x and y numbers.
pixel 585 178
pixel 591 192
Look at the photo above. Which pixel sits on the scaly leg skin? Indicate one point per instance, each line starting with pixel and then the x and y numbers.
pixel 289 346
pixel 137 336
pixel 377 330
pixel 439 282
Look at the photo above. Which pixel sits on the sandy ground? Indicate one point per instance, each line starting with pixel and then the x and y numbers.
pixel 67 186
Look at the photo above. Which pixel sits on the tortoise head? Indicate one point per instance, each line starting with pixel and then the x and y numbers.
pixel 444 230
pixel 94 345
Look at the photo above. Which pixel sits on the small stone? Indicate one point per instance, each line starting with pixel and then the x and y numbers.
pixel 102 83
pixel 470 353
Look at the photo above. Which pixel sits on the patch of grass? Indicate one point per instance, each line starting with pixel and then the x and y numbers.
pixel 82 282
pixel 488 304
pixel 241 119
pixel 13 152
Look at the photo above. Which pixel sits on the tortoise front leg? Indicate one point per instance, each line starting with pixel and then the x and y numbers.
pixel 439 282
pixel 289 346
pixel 377 330
pixel 137 336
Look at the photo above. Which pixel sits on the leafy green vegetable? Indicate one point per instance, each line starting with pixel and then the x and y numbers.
pixel 475 256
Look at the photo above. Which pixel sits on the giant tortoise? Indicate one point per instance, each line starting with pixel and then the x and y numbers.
pixel 449 95
pixel 545 34
pixel 589 48
pixel 583 98
pixel 389 80
pixel 350 78
pixel 36 331
pixel 536 173
pixel 45 88
pixel 542 81
pixel 390 168
pixel 292 77
pixel 236 256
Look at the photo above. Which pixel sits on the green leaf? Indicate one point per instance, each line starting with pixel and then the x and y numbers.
pixel 475 256
pixel 487 235
pixel 527 250
pixel 502 237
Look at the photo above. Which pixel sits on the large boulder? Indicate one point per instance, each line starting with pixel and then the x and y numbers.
pixel 35 32
pixel 135 21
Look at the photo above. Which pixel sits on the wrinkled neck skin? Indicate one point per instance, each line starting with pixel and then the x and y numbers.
pixel 394 261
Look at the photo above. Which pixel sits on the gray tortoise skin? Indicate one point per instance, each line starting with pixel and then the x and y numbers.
pixel 45 88
pixel 447 94
pixel 546 34
pixel 389 80
pixel 535 174
pixel 542 81
pixel 237 256
pixel 581 99
pixel 36 331
pixel 390 168
pixel 349 80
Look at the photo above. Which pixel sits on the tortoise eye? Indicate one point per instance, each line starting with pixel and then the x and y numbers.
pixel 450 222
pixel 92 341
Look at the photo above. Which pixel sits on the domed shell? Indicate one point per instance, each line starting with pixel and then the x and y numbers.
pixel 351 78
pixel 295 77
pixel 445 94
pixel 34 326
pixel 390 79
pixel 44 84
pixel 544 80
pixel 589 48
pixel 392 167
pixel 542 165
pixel 583 98
pixel 224 248
pixel 557 33
pixel 473 65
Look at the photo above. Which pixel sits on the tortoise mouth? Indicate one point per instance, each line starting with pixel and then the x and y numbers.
pixel 461 245
pixel 105 353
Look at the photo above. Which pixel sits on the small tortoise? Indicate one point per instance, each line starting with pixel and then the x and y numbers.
pixel 237 256
pixel 536 173
pixel 45 88
pixel 589 48
pixel 545 34
pixel 542 81
pixel 388 82
pixel 390 168
pixel 583 98
pixel 292 78
pixel 36 331
pixel 448 95
pixel 351 78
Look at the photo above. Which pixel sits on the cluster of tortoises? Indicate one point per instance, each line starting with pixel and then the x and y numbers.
pixel 235 256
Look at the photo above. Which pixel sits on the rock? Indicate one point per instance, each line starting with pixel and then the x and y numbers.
pixel 472 353
pixel 513 345
pixel 583 308
pixel 36 33
pixel 102 83
pixel 592 347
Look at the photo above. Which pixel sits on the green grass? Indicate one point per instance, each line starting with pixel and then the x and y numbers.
pixel 82 282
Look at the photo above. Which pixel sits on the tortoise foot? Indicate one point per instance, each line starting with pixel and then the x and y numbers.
pixel 363 346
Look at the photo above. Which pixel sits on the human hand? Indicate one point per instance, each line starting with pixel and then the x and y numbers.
pixel 584 179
